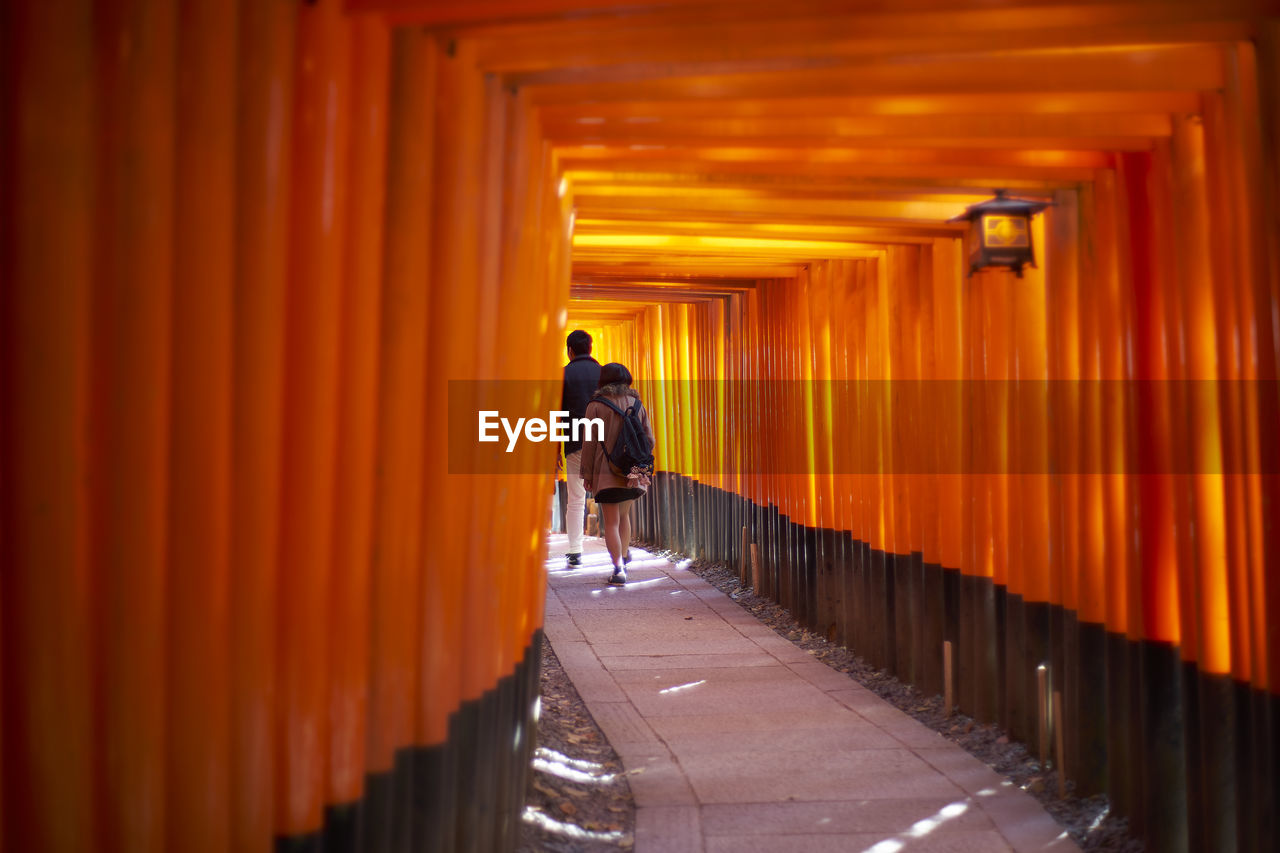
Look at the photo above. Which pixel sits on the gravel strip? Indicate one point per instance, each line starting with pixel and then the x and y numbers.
pixel 578 800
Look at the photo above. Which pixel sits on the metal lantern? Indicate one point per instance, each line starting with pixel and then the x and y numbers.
pixel 1000 233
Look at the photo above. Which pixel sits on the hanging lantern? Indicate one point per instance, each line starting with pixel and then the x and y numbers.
pixel 1000 233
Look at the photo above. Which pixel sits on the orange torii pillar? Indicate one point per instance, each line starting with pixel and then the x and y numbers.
pixel 244 604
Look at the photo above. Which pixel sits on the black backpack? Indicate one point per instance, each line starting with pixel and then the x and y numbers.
pixel 632 449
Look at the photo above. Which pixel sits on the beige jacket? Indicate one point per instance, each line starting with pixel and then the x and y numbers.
pixel 595 465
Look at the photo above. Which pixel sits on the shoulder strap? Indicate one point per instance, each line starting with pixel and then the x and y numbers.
pixel 609 404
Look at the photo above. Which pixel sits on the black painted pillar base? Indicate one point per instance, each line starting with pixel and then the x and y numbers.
pixel 1163 747
pixel 965 656
pixel 899 578
pixel 809 576
pixel 1004 672
pixel 1036 620
pixel 830 593
pixel 1123 769
pixel 879 610
pixel 1091 719
pixel 1212 756
pixel 862 629
pixel 951 580
pixel 933 621
pixel 985 650
pixel 848 588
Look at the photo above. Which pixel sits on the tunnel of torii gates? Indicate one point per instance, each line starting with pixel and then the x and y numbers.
pixel 259 589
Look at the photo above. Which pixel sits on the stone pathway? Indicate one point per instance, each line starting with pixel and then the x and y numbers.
pixel 736 740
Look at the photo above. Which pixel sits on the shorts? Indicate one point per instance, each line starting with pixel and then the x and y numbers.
pixel 617 495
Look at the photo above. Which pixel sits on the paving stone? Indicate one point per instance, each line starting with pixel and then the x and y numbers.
pixel 600 599
pixel 820 675
pixel 830 738
pixel 668 829
pixel 621 663
pixel 561 631
pixel 636 755
pixel 857 699
pixel 776 673
pixel 886 817
pixel 678 634
pixel 1026 825
pixel 673 617
pixel 578 654
pixel 594 687
pixel 745 777
pixel 952 842
pixel 708 593
pixel 555 607
pixel 713 698
pixel 969 773
pixel 622 724
pixel 593 681
pixel 916 736
pixel 756 631
pixel 782 649
pixel 737 617
pixel 656 644
pixel 659 782
pixel 762 721
pixel 882 713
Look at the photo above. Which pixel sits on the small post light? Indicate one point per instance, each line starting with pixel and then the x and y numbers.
pixel 1000 233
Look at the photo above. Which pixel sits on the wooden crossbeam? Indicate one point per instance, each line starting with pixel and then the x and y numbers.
pixel 1190 67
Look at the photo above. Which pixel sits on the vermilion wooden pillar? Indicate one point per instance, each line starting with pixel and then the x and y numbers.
pixel 456 351
pixel 350 614
pixel 403 648
pixel 262 217
pixel 131 416
pixel 313 335
pixel 50 176
pixel 198 587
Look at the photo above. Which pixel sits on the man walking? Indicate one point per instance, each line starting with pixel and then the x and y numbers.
pixel 581 378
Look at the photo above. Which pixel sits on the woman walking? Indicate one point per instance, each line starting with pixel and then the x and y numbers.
pixel 619 406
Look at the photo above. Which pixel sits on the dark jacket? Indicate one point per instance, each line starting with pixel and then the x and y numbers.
pixel 581 378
